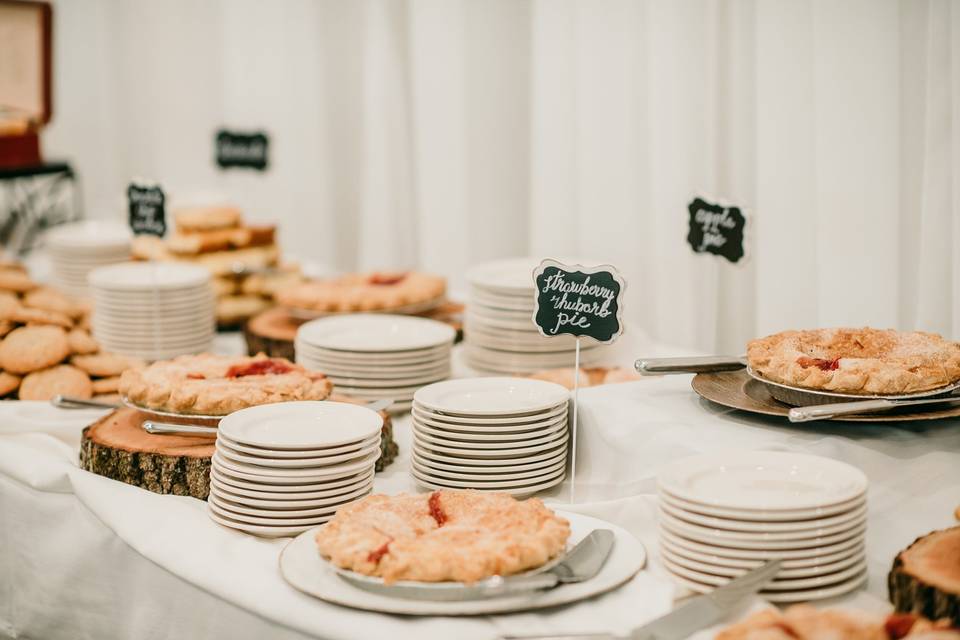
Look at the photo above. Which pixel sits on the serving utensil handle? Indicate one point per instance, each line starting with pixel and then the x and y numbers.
pixel 67 402
pixel 702 364
pixel 827 411
pixel 182 429
pixel 498 587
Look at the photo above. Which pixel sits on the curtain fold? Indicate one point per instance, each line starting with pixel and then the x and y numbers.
pixel 440 133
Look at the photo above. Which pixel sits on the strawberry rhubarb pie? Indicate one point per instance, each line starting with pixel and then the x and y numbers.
pixel 462 536
pixel 217 385
pixel 857 361
pixel 378 291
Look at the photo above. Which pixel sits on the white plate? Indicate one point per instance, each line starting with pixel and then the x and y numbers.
pixel 761 527
pixel 263 532
pixel 526 490
pixel 326 487
pixel 505 452
pixel 765 480
pixel 89 235
pixel 488 462
pixel 812 563
pixel 297 463
pixel 375 333
pixel 856 531
pixel 543 472
pixel 385 374
pixel 488 485
pixel 492 302
pixel 347 388
pixel 286 515
pixel 519 422
pixel 744 553
pixel 788 596
pixel 260 522
pixel 697 532
pixel 765 516
pixel 507 357
pixel 490 436
pixel 413 382
pixel 490 442
pixel 511 276
pixel 560 456
pixel 302 425
pixel 791 584
pixel 784 574
pixel 414 357
pixel 473 397
pixel 292 476
pixel 517 347
pixel 295 453
pixel 138 276
pixel 228 493
pixel 302 567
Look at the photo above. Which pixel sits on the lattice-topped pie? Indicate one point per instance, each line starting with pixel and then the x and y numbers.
pixel 364 292
pixel 217 385
pixel 803 622
pixel 858 361
pixel 461 536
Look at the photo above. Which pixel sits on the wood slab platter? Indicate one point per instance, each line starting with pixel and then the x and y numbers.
pixel 737 390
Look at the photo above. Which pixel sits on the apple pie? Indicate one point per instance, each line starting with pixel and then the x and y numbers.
pixel 857 361
pixel 803 622
pixel 217 385
pixel 378 291
pixel 461 536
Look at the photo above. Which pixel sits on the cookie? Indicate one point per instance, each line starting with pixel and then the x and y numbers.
pixel 82 343
pixel 53 300
pixel 106 385
pixel 30 349
pixel 206 218
pixel 8 383
pixel 9 303
pixel 15 280
pixel 62 379
pixel 26 315
pixel 233 310
pixel 106 365
pixel 6 327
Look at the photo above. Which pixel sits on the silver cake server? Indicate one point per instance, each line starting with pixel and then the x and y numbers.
pixel 698 364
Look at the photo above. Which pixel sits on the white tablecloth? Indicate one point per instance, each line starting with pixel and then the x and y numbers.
pixel 85 557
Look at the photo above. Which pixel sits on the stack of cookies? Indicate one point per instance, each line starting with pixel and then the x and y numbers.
pixel 47 349
pixel 243 258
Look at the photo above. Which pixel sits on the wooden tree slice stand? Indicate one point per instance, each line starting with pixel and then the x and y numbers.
pixel 273 331
pixel 117 447
pixel 925 578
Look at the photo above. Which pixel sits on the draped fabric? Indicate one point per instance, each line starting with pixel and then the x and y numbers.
pixel 440 133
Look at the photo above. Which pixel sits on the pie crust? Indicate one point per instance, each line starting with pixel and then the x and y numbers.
pixel 217 385
pixel 857 361
pixel 378 291
pixel 461 536
pixel 803 622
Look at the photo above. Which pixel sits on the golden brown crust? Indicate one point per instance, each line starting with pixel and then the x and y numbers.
pixel 445 535
pixel 803 622
pixel 206 218
pixel 62 379
pixel 8 383
pixel 857 361
pixel 81 342
pixel 52 300
pixel 364 292
pixel 200 384
pixel 29 349
pixel 104 365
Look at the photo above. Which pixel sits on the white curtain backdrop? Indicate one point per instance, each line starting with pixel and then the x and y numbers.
pixel 440 133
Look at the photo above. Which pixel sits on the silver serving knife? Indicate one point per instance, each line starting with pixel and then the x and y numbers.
pixel 68 402
pixel 827 411
pixel 690 617
pixel 699 364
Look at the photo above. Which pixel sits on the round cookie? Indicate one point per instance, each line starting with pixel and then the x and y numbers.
pixel 62 379
pixel 30 349
pixel 82 343
pixel 53 300
pixel 8 383
pixel 15 280
pixel 9 303
pixel 207 218
pixel 6 326
pixel 106 365
pixel 26 315
pixel 106 385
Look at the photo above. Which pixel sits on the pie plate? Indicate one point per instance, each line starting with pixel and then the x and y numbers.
pixel 375 333
pixel 412 308
pixel 295 453
pixel 259 488
pixel 444 476
pixel 766 480
pixel 785 597
pixel 475 397
pixel 473 423
pixel 429 438
pixel 812 564
pixel 296 463
pixel 225 492
pixel 698 532
pixel 261 522
pixel 764 516
pixel 170 416
pixel 467 467
pixel 302 425
pixel 742 553
pixel 228 505
pixel 524 490
pixel 294 476
pixel 261 531
pixel 307 571
pixel 740 543
pixel 493 453
pixel 760 527
pixel 494 436
pixel 794 584
pixel 491 462
pixel 783 574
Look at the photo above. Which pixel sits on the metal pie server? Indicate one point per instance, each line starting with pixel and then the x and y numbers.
pixel 690 617
pixel 827 411
pixel 699 364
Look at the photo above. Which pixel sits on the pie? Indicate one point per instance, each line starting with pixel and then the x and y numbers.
pixel 462 536
pixel 217 385
pixel 857 361
pixel 803 622
pixel 378 291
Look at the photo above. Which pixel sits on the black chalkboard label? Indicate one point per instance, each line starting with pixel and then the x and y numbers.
pixel 247 150
pixel 579 301
pixel 146 204
pixel 716 229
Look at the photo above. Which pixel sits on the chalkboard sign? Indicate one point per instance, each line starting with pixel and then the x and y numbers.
pixel 579 301
pixel 146 204
pixel 248 150
pixel 716 229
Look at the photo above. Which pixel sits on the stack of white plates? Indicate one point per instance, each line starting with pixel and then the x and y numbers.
pixel 377 356
pixel 722 515
pixel 499 333
pixel 153 310
pixel 78 248
pixel 280 469
pixel 497 434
